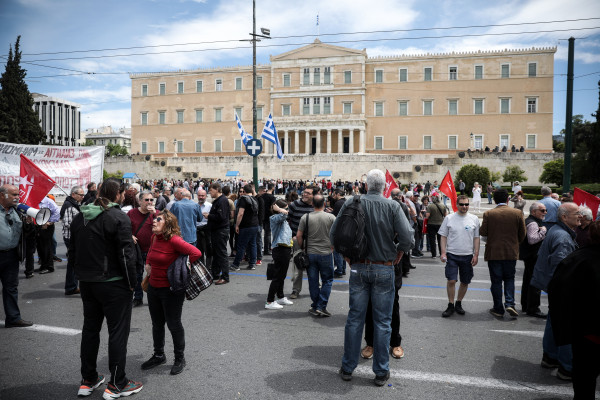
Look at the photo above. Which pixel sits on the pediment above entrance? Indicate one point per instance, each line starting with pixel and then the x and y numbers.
pixel 318 49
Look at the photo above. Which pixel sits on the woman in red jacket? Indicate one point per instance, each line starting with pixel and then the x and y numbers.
pixel 165 305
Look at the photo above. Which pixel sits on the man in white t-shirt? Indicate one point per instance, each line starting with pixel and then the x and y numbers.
pixel 459 250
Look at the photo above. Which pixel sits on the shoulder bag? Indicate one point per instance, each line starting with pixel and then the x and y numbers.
pixel 301 260
pixel 200 279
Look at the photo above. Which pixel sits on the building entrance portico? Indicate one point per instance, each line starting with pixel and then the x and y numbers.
pixel 295 140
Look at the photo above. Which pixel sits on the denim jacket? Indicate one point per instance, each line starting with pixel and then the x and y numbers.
pixel 282 233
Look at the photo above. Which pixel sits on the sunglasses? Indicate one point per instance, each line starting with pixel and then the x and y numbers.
pixel 158 219
pixel 463 204
pixel 149 200
pixel 544 211
pixel 9 220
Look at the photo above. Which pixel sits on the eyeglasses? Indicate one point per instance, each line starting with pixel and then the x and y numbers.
pixel 9 220
pixel 544 211
pixel 78 194
pixel 463 204
pixel 158 219
pixel 151 200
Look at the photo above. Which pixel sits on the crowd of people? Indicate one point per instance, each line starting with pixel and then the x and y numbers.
pixel 123 239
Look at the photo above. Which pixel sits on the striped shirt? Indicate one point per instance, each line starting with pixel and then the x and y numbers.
pixel 296 210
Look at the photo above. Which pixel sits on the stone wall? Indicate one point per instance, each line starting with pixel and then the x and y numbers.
pixel 409 167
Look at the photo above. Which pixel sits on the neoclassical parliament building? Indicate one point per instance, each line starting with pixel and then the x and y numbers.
pixel 330 99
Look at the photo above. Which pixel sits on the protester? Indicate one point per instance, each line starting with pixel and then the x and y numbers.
pixel 528 252
pixel 518 201
pixel 281 248
pixel 202 230
pixel 45 235
pixel 102 254
pixel 165 305
pixel 476 197
pixel 269 200
pixel 582 232
pixel 246 226
pixel 551 205
pixel 159 201
pixel 435 217
pixel 68 211
pixel 10 231
pixel 91 194
pixel 460 251
pixel 504 229
pixel 188 215
pixel 374 279
pixel 297 208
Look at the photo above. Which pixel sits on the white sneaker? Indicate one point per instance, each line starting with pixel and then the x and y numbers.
pixel 273 306
pixel 285 302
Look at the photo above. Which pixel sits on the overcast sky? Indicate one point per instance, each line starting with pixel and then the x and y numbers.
pixel 169 35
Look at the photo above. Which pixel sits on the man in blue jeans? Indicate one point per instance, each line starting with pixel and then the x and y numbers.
pixel 373 277
pixel 317 225
pixel 246 226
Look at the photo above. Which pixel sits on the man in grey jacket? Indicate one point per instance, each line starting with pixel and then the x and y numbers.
pixel 558 244
pixel 373 277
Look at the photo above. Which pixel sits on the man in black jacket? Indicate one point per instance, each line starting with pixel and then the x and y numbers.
pixel 269 200
pixel 68 211
pixel 218 224
pixel 528 252
pixel 102 254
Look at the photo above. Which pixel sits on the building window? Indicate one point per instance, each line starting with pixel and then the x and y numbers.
pixel 285 109
pixel 218 85
pixel 452 142
pixel 218 148
pixel 238 111
pixel 316 105
pixel 161 147
pixel 327 76
pixel 478 106
pixel 479 72
pixel 259 82
pixel 179 87
pixel 427 142
pixel 403 108
pixel 504 140
pixel 198 146
pixel 378 76
pixel 403 75
pixel 504 106
pixel 144 147
pixel 238 83
pixel 144 90
pixel 505 71
pixel 199 86
pixel 180 146
pixel 453 73
pixel 378 142
pixel 161 117
pixel 286 80
pixel 531 141
pixel 144 118
pixel 402 141
pixel 427 73
pixel 259 113
pixel 180 116
pixel 379 109
pixel 531 105
pixel 326 105
pixel 478 142
pixel 306 77
pixel 347 108
pixel 452 107
pixel 218 112
pixel 162 89
pixel 306 106
pixel 237 145
pixel 427 107
pixel 347 76
pixel 199 116
pixel 317 76
pixel 532 69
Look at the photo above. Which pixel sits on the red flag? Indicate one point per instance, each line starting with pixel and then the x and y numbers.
pixel 583 198
pixel 447 187
pixel 34 185
pixel 390 184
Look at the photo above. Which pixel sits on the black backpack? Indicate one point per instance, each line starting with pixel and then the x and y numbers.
pixel 350 236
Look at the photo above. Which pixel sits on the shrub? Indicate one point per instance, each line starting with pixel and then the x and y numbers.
pixel 553 172
pixel 514 173
pixel 472 173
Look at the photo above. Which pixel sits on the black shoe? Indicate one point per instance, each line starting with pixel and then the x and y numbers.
pixel 46 271
pixel 380 380
pixel 336 275
pixel 405 274
pixel 512 312
pixel 154 361
pixel 563 374
pixel 412 267
pixel 449 311
pixel 314 312
pixel 458 308
pixel 549 362
pixel 29 276
pixel 73 292
pixel 178 366
pixel 57 259
pixel 18 324
pixel 137 302
pixel 346 376
pixel 496 313
pixel 537 314
pixel 324 312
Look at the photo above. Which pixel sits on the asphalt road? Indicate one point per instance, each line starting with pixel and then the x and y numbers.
pixel 235 349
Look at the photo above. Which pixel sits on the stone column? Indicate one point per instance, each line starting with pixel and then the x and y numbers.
pixel 286 145
pixel 318 141
pixel 296 141
pixel 351 147
pixel 340 141
pixel 328 141
pixel 362 141
pixel 307 141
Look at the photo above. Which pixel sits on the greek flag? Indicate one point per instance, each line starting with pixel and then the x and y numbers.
pixel 245 135
pixel 270 134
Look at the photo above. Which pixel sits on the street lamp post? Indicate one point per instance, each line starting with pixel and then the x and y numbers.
pixel 174 147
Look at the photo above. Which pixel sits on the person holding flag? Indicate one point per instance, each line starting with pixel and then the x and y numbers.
pixel 390 184
pixel 583 198
pixel 270 133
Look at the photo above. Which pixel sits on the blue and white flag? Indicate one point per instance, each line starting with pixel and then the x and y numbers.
pixel 245 135
pixel 270 134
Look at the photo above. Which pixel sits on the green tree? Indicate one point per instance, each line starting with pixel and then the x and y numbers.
pixel 19 123
pixel 495 176
pixel 115 150
pixel 514 173
pixel 586 143
pixel 88 142
pixel 553 172
pixel 472 173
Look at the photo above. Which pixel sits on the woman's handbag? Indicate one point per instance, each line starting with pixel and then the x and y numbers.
pixel 145 283
pixel 425 225
pixel 301 260
pixel 200 279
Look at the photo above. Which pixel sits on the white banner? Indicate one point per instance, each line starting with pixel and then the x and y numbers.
pixel 68 166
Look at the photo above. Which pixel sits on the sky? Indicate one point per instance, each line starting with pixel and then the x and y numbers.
pixel 83 51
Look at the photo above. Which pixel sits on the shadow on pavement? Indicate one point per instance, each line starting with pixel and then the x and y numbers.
pixel 508 368
pixel 44 294
pixel 42 391
pixel 321 381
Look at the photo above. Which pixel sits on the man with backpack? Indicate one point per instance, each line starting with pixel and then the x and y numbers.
pixel 368 232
